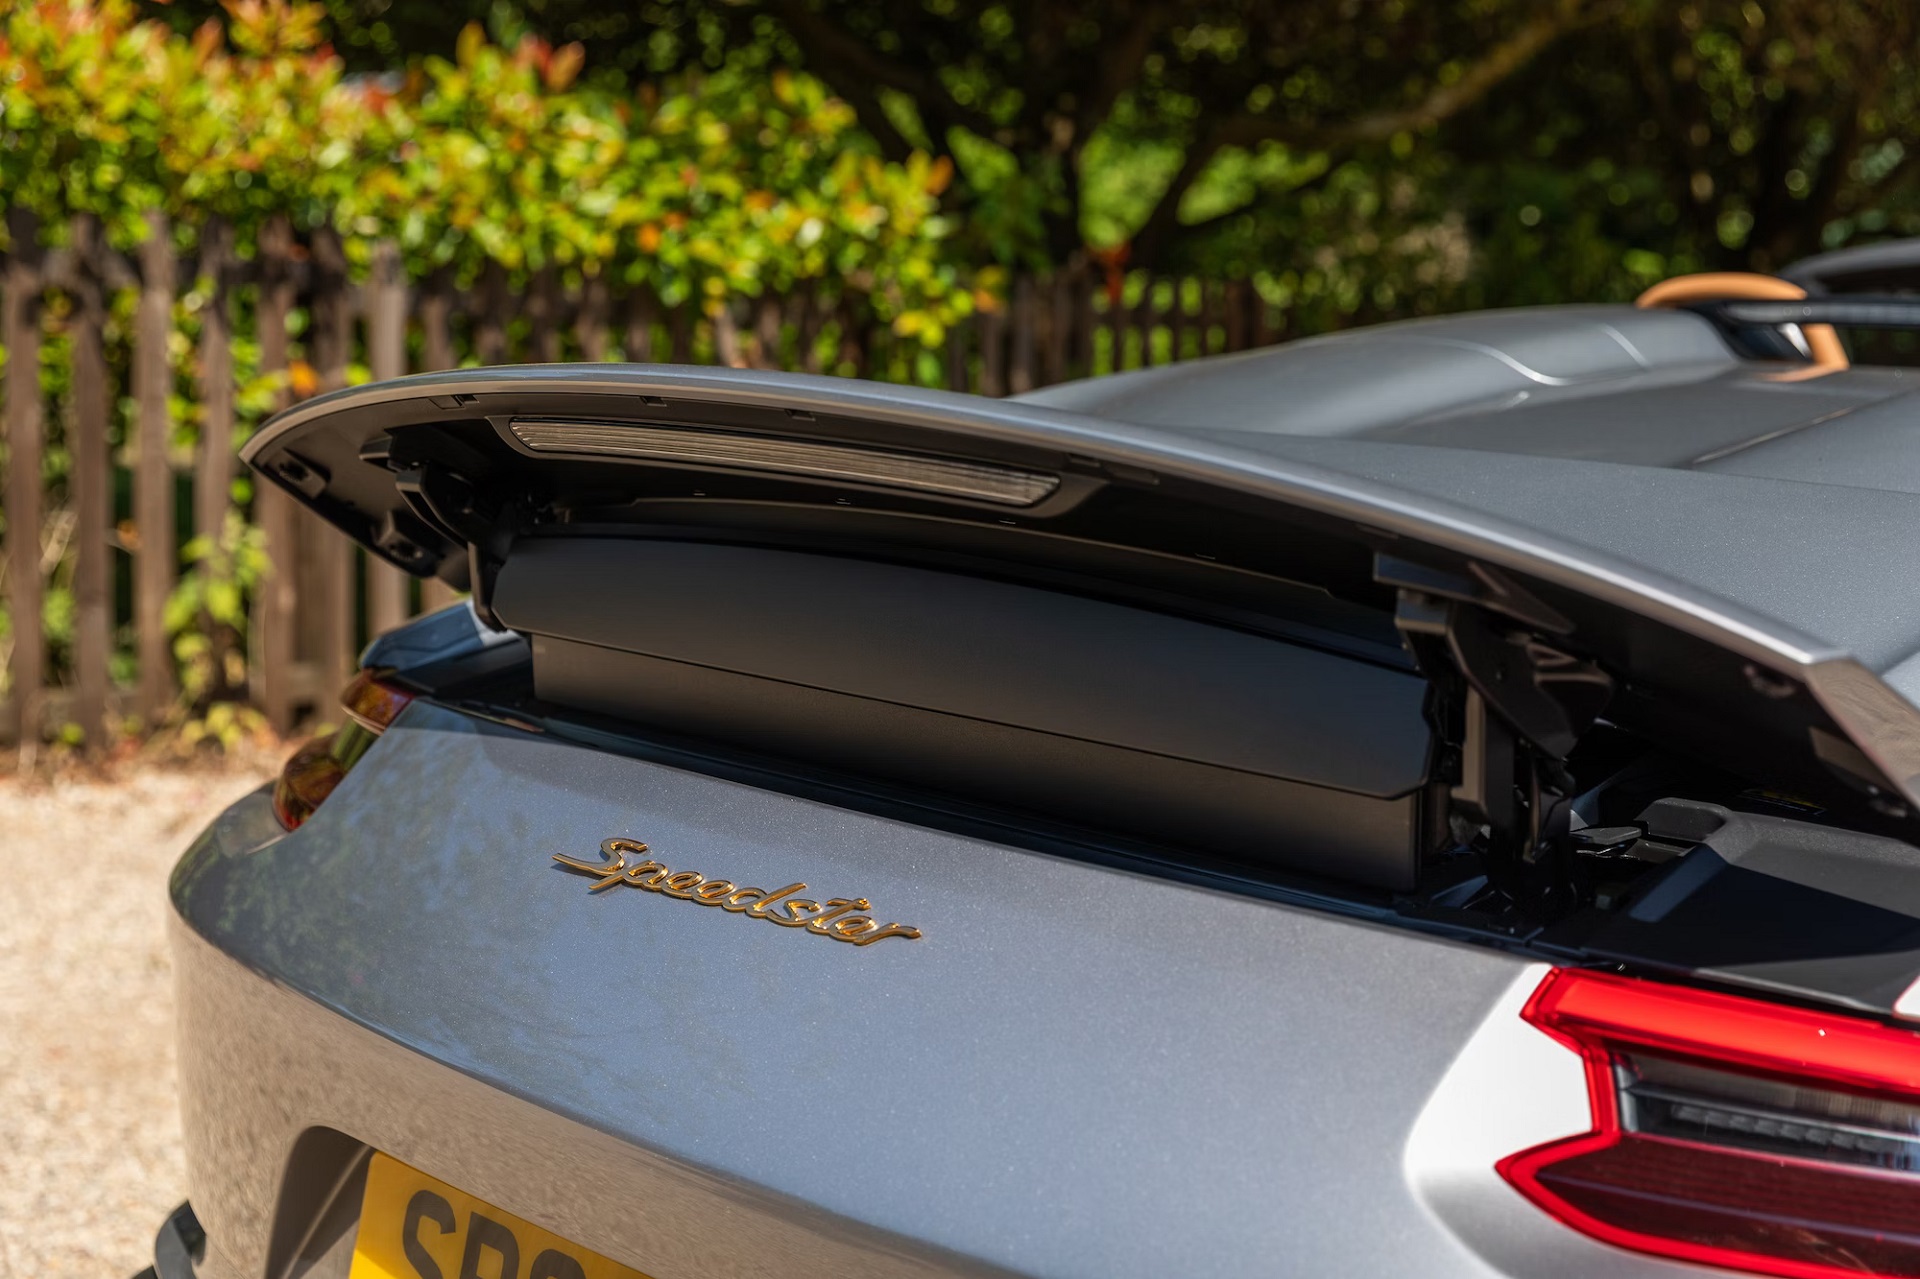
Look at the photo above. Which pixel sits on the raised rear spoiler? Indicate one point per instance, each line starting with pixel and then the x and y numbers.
pixel 440 473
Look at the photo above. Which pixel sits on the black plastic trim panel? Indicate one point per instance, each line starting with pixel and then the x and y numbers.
pixel 1158 726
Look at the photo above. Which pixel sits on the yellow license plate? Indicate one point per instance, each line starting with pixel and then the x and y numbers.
pixel 413 1227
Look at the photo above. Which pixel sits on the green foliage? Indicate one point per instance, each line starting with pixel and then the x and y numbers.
pixel 225 725
pixel 205 618
pixel 1577 148
pixel 1580 147
pixel 709 185
pixel 715 185
pixel 221 577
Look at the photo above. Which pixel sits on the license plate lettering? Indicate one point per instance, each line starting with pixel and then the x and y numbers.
pixel 414 1227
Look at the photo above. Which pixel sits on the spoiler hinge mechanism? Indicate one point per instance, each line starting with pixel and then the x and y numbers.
pixel 1513 699
pixel 1467 626
pixel 448 503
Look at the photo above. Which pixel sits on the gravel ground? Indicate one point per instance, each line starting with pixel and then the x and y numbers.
pixel 90 1156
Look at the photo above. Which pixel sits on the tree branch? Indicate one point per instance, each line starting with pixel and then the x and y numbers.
pixel 1093 84
pixel 1690 157
pixel 1772 205
pixel 854 70
pixel 1498 65
pixel 873 117
pixel 1150 241
pixel 1823 198
pixel 1446 101
pixel 1119 65
pixel 1213 221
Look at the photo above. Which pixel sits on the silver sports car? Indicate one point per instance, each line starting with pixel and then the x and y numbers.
pixel 1437 800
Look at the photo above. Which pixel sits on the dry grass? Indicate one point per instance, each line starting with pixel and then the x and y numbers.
pixel 90 1156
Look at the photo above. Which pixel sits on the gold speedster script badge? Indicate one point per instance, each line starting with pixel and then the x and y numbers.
pixel 837 917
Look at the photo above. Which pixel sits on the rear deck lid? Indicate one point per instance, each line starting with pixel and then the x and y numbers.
pixel 443 473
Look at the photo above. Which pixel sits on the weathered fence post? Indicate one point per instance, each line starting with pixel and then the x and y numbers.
pixel 26 666
pixel 154 557
pixel 279 593
pixel 1145 315
pixel 680 333
pixel 1082 283
pixel 1060 318
pixel 1263 331
pixel 1182 324
pixel 329 346
pixel 436 322
pixel 1116 325
pixel 213 463
pixel 1020 377
pixel 957 356
pixel 768 329
pixel 726 338
pixel 813 318
pixel 490 324
pixel 436 353
pixel 543 315
pixel 590 325
pixel 92 487
pixel 1236 315
pixel 852 350
pixel 637 342
pixel 213 460
pixel 993 351
pixel 386 358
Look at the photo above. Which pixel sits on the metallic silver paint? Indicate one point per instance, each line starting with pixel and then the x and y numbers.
pixel 263 1065
pixel 1907 1007
pixel 1079 1072
pixel 1361 380
pixel 1511 1088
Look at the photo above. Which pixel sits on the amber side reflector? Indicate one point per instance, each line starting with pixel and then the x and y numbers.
pixel 316 768
pixel 372 704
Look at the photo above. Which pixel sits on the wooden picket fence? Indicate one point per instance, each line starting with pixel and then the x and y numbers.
pixel 323 596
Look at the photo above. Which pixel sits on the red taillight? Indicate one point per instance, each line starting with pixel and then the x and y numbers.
pixel 317 767
pixel 1733 1132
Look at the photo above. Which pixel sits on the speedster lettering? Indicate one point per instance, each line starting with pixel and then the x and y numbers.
pixel 623 861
